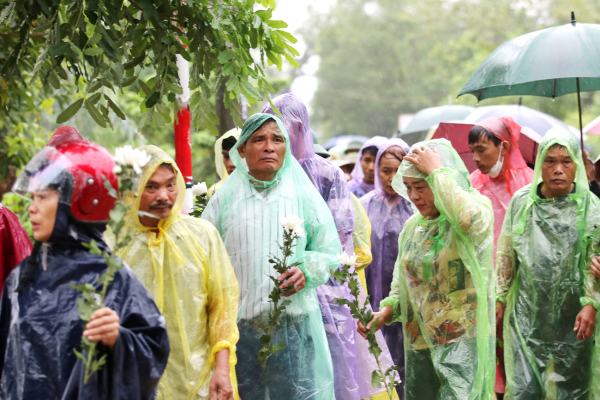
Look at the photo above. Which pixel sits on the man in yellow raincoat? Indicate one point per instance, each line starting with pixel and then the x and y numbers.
pixel 183 263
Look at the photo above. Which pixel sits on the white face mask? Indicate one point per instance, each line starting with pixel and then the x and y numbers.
pixel 495 171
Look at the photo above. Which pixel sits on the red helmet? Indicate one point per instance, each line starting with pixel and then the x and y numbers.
pixel 75 169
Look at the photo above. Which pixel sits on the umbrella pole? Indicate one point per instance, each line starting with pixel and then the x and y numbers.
pixel 579 105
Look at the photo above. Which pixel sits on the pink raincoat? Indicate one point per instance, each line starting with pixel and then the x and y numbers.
pixel 516 175
pixel 500 190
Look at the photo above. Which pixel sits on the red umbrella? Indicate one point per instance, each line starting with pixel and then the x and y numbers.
pixel 458 135
pixel 593 127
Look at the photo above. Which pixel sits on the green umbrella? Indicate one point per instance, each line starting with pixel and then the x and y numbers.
pixel 550 63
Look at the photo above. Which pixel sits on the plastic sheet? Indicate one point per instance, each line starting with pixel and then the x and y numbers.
pixel 516 174
pixel 357 185
pixel 14 243
pixel 246 212
pixel 544 276
pixel 362 240
pixel 443 286
pixel 220 167
pixel 40 327
pixel 387 216
pixel 184 265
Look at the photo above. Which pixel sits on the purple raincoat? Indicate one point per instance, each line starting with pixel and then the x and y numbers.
pixel 387 218
pixel 357 184
pixel 352 380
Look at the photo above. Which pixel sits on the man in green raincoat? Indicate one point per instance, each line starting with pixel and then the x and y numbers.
pixel 443 284
pixel 267 185
pixel 544 277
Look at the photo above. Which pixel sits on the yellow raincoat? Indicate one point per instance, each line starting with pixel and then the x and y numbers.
pixel 186 268
pixel 221 170
pixel 362 240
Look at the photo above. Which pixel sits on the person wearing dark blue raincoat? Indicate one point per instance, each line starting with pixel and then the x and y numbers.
pixel 40 324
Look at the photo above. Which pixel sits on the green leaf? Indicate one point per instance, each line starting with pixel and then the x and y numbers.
pixel 152 100
pixel 68 113
pixel 115 108
pixel 96 37
pixel 93 99
pixel 265 15
pixel 95 114
pixel 134 62
pixel 94 86
pixel 128 81
pixel 276 24
pixel 173 88
pixel 93 51
pixel 287 36
pixel 60 49
pixel 375 379
pixel 225 56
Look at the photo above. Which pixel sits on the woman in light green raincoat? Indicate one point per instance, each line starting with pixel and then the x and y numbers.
pixel 544 277
pixel 443 284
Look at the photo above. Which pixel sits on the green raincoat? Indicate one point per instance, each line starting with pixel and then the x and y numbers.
pixel 443 286
pixel 544 277
pixel 247 214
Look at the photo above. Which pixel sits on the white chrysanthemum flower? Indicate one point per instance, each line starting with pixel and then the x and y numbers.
pixel 345 259
pixel 131 157
pixel 293 223
pixel 199 189
pixel 97 299
pixel 117 170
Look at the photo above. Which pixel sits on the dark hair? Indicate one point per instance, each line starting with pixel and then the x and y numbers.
pixel 477 132
pixel 228 143
pixel 168 165
pixel 372 150
pixel 396 152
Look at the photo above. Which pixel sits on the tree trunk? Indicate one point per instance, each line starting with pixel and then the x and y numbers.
pixel 226 121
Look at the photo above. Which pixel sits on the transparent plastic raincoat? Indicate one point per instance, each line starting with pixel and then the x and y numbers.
pixel 352 377
pixel 443 286
pixel 387 216
pixel 246 213
pixel 544 276
pixel 357 185
pixel 185 267
pixel 516 175
pixel 220 167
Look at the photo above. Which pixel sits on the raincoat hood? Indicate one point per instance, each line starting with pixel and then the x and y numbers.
pixel 241 167
pixel 382 149
pixel 69 232
pixel 157 158
pixel 14 242
pixel 507 130
pixel 221 170
pixel 296 121
pixel 450 159
pixel 357 173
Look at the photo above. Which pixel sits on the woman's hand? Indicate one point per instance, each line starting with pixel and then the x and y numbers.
pixel 425 159
pixel 293 275
pixel 383 316
pixel 104 327
pixel 585 322
pixel 220 382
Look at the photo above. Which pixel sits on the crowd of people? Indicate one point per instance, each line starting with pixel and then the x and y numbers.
pixel 481 284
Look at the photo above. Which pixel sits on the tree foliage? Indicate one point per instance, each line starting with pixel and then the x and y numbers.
pixel 382 58
pixel 102 46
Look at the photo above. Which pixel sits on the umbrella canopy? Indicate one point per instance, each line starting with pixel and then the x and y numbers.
pixel 428 117
pixel 344 139
pixel 542 63
pixel 538 121
pixel 593 127
pixel 458 135
pixel 549 63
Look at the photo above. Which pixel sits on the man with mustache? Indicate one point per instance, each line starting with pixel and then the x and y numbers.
pixel 183 263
